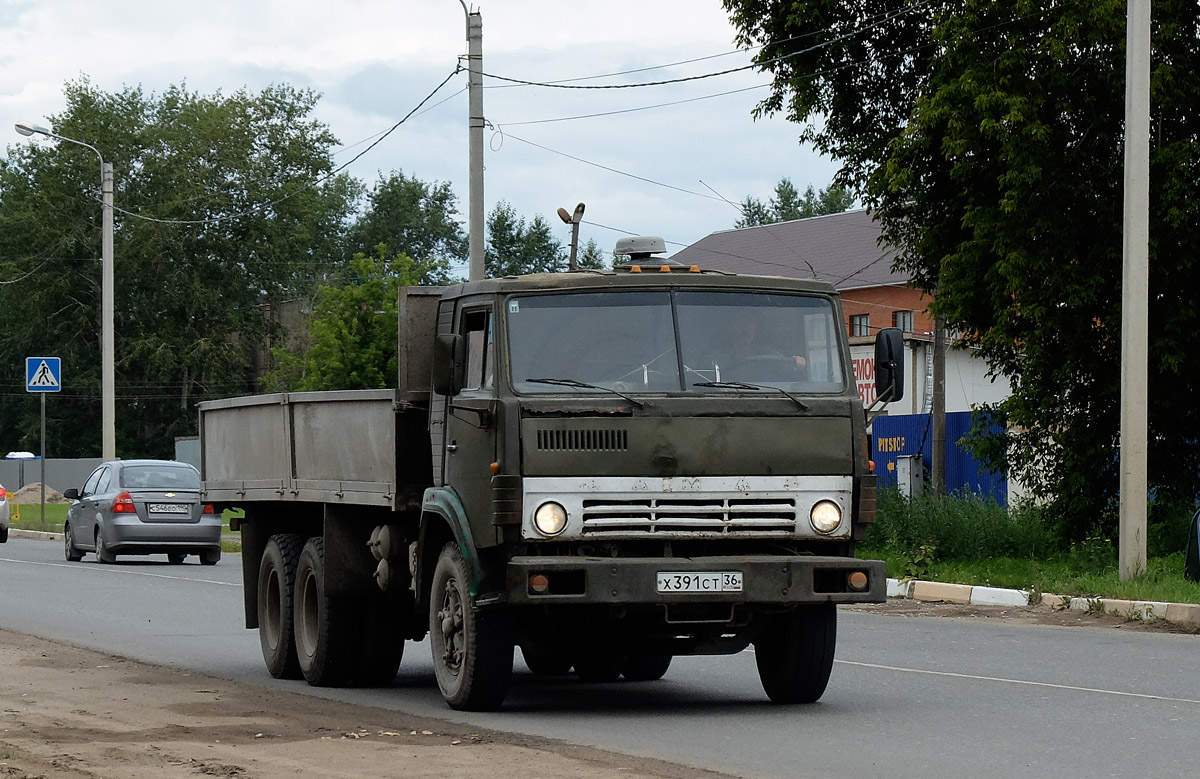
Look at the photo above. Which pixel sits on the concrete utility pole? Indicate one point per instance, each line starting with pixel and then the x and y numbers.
pixel 475 100
pixel 938 466
pixel 108 410
pixel 1135 292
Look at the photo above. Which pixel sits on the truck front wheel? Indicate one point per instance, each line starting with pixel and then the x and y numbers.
pixel 794 653
pixel 472 650
pixel 276 590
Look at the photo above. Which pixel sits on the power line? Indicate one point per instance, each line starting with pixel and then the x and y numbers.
pixel 306 186
pixel 561 84
pixel 607 168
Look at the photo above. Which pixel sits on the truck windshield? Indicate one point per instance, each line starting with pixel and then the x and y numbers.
pixel 665 341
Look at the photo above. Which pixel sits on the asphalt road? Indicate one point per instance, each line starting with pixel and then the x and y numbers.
pixel 916 696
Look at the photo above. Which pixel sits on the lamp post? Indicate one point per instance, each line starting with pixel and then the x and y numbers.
pixel 108 405
pixel 573 220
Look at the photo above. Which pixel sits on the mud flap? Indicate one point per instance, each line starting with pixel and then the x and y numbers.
pixel 1191 561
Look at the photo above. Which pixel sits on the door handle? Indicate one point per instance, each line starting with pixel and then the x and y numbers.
pixel 452 447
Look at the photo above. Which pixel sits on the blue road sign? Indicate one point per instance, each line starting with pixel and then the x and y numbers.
pixel 43 374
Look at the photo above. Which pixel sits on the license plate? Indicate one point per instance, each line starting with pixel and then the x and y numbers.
pixel 708 581
pixel 168 508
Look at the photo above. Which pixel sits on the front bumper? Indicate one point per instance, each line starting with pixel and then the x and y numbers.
pixel 780 580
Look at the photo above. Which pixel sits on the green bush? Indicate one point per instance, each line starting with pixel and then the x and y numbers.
pixel 961 527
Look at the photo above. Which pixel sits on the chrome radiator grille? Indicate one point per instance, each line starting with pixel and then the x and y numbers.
pixel 709 515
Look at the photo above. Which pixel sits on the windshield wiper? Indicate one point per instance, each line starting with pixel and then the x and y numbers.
pixel 746 386
pixel 584 385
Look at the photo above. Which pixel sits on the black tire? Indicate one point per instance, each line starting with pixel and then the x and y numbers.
pixel 646 667
pixel 3 535
pixel 545 664
pixel 210 558
pixel 320 645
pixel 599 666
pixel 794 653
pixel 276 589
pixel 472 650
pixel 72 554
pixel 102 552
pixel 176 558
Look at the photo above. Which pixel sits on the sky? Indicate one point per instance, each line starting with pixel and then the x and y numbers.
pixel 670 160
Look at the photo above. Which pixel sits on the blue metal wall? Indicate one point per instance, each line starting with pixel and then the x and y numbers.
pixel 909 434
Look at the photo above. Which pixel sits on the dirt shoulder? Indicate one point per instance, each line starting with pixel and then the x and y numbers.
pixel 72 713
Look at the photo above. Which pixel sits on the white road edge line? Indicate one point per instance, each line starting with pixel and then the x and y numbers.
pixel 1018 681
pixel 110 569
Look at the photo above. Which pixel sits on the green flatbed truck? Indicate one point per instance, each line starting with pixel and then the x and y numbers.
pixel 605 469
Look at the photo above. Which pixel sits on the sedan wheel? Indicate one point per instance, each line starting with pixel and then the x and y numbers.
pixel 73 555
pixel 176 558
pixel 102 553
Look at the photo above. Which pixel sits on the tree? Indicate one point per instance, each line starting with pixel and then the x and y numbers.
pixel 514 247
pixel 351 338
pixel 787 204
pixel 415 219
pixel 227 207
pixel 987 138
pixel 592 257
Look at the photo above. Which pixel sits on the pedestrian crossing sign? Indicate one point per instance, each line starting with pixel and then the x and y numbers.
pixel 43 374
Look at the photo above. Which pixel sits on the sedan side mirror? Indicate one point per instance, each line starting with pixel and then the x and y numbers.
pixel 71 494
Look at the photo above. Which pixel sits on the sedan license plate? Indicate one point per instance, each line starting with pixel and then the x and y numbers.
pixel 168 508
pixel 707 581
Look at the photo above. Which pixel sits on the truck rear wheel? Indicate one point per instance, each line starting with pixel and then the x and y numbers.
pixel 318 641
pixel 276 590
pixel 794 653
pixel 472 650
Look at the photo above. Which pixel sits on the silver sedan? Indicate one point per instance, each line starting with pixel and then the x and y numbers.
pixel 141 507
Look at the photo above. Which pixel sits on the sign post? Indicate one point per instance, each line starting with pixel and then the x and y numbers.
pixel 42 375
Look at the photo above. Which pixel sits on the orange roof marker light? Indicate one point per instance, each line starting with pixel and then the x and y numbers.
pixel 665 269
pixel 640 249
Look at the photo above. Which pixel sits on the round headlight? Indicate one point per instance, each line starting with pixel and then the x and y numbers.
pixel 825 517
pixel 550 519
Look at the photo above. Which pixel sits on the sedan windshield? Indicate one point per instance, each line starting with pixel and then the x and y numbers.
pixel 670 342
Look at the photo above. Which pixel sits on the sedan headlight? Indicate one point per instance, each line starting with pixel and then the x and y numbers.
pixel 550 519
pixel 825 516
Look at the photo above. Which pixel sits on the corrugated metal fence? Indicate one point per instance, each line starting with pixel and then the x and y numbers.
pixel 912 434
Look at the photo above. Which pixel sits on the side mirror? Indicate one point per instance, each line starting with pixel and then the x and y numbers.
pixel 449 357
pixel 71 494
pixel 889 364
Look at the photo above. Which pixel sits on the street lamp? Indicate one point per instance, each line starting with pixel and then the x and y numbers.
pixel 573 220
pixel 108 405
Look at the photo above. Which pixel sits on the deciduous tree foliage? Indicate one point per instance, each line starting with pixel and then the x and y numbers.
pixel 415 219
pixel 223 211
pixel 350 342
pixel 988 139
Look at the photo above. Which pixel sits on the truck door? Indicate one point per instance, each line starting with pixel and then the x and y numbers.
pixel 470 423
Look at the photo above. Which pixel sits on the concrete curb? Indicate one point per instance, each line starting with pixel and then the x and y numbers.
pixel 937 592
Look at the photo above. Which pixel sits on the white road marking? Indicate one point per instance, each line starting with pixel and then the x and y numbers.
pixel 1018 681
pixel 112 569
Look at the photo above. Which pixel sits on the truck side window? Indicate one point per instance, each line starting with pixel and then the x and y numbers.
pixel 477 327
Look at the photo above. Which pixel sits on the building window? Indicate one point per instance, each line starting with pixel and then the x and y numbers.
pixel 903 320
pixel 860 324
